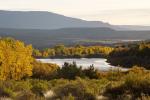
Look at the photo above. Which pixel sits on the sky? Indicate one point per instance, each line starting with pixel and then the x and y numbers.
pixel 117 12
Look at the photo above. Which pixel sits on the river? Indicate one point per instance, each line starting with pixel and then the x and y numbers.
pixel 99 63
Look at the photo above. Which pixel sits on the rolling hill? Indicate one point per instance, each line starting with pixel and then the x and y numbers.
pixel 70 36
pixel 48 20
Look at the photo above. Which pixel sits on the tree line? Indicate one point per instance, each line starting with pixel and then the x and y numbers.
pixel 138 54
pixel 78 51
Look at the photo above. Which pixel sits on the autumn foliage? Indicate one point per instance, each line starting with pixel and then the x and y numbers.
pixel 78 51
pixel 15 59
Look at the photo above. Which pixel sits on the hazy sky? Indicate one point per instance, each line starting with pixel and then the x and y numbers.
pixel 127 12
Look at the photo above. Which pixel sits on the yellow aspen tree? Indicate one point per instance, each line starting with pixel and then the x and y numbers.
pixel 15 60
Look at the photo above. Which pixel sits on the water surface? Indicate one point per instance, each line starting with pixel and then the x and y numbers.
pixel 99 63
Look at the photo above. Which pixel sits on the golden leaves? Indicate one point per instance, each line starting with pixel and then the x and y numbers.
pixel 15 59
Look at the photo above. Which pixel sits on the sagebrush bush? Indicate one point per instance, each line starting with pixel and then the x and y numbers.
pixel 134 83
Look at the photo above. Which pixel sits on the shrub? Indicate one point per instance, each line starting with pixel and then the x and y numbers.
pixel 23 85
pixel 69 97
pixel 7 92
pixel 133 84
pixel 44 70
pixel 26 95
pixel 78 91
pixel 91 72
pixel 39 86
pixel 70 71
pixel 114 75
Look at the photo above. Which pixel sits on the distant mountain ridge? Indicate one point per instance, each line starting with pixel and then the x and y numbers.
pixel 47 20
pixel 133 27
pixel 43 20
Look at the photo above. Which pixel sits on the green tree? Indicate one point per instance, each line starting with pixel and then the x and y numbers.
pixel 70 71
